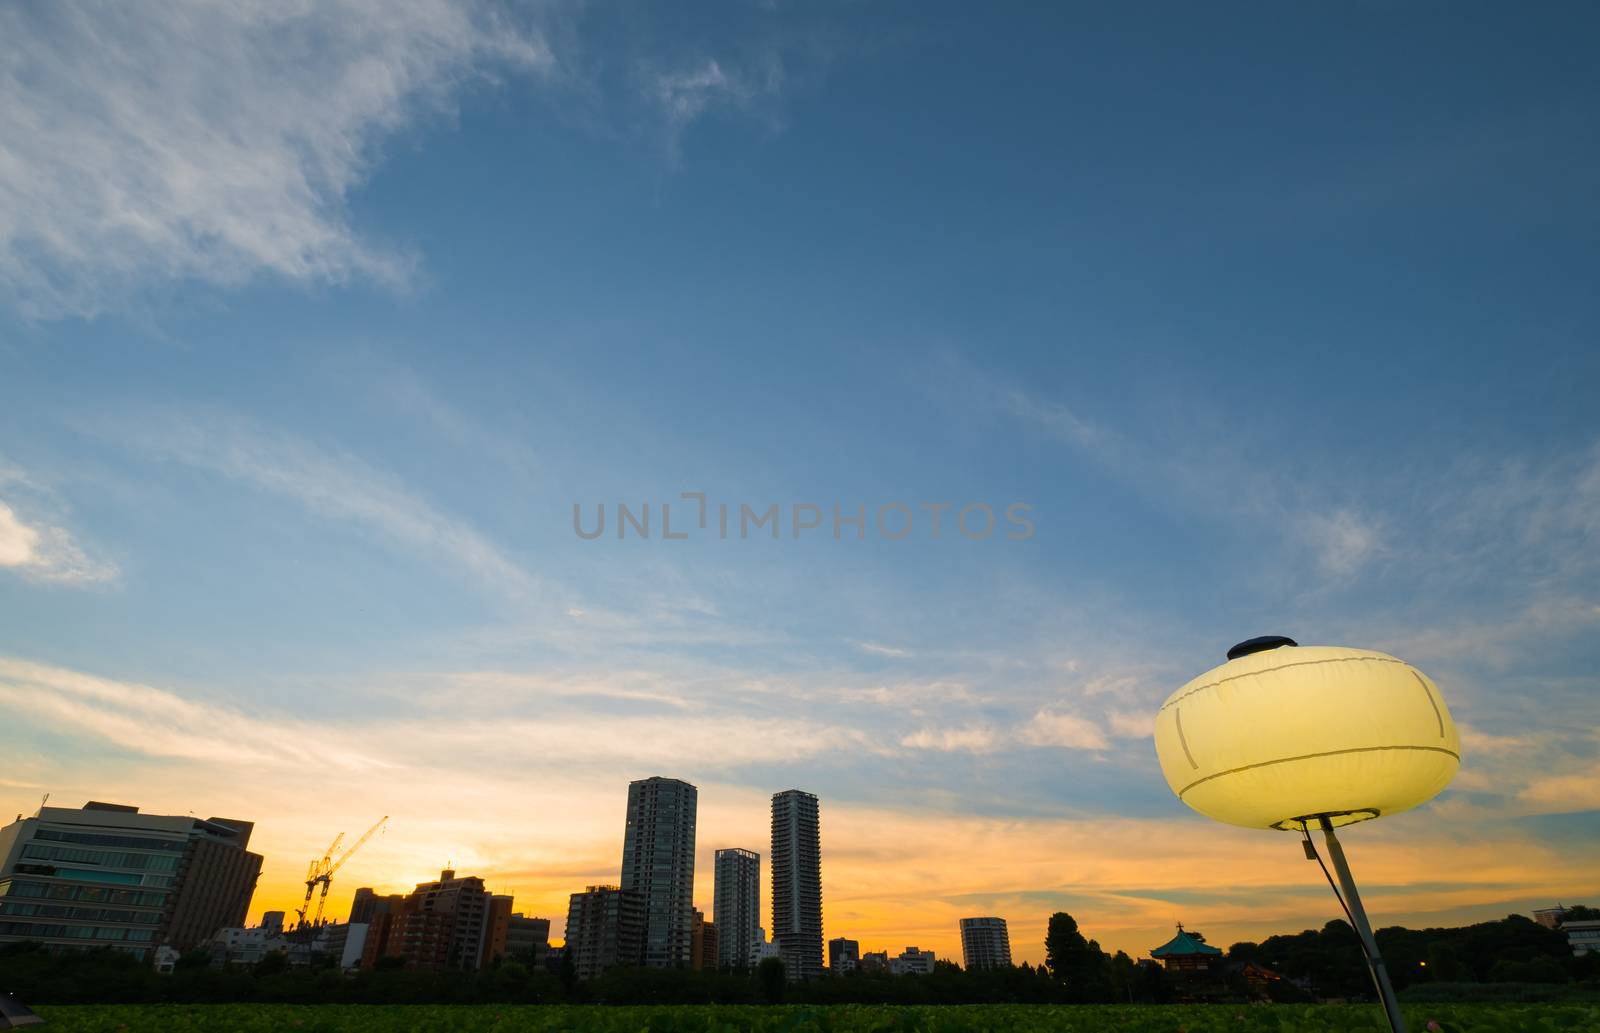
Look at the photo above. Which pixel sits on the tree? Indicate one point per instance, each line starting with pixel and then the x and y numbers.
pixel 1076 962
pixel 773 980
pixel 272 963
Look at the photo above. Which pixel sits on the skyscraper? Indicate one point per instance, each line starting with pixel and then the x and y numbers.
pixel 107 876
pixel 658 865
pixel 985 943
pixel 797 883
pixel 736 906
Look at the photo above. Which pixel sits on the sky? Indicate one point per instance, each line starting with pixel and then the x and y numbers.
pixel 318 322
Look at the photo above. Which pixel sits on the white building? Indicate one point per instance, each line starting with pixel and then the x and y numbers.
pixel 344 941
pixel 912 961
pixel 763 948
pixel 1583 936
pixel 246 946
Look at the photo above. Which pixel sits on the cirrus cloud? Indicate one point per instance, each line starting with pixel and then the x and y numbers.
pixel 215 142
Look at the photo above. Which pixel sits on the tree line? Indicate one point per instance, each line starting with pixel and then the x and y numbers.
pixel 1312 964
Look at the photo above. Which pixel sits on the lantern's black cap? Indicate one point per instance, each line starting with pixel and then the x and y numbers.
pixel 1259 645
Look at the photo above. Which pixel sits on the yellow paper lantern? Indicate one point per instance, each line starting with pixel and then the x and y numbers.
pixel 1283 734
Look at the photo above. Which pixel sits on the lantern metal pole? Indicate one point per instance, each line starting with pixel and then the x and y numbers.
pixel 1358 915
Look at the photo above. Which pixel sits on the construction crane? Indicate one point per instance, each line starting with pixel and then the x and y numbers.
pixel 321 872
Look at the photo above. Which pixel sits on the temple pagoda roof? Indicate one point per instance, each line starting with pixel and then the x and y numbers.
pixel 1181 944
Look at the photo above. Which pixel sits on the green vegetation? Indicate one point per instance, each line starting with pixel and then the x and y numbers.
pixel 277 1018
pixel 1492 965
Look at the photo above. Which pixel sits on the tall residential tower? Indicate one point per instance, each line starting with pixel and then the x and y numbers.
pixel 797 883
pixel 736 906
pixel 658 866
pixel 985 943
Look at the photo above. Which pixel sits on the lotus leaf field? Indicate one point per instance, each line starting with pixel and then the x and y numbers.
pixel 283 1018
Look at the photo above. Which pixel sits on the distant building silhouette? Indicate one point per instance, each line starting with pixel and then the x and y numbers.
pixel 363 904
pixel 764 949
pixel 736 906
pixel 912 961
pixel 658 865
pixel 441 925
pixel 605 929
pixel 797 882
pixel 380 914
pixel 109 876
pixel 874 961
pixel 1549 917
pixel 528 939
pixel 985 943
pixel 703 943
pixel 496 926
pixel 843 955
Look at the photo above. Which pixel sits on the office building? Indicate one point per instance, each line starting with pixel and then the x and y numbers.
pixel 658 866
pixel 797 883
pixel 441 925
pixel 843 955
pixel 985 943
pixel 736 906
pixel 605 928
pixel 874 961
pixel 106 875
pixel 912 962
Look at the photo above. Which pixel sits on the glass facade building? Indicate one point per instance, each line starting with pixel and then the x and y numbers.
pixel 658 866
pixel 108 876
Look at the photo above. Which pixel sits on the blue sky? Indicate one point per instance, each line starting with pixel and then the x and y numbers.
pixel 314 327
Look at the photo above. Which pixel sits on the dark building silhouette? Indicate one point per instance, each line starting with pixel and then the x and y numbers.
pixel 605 929
pixel 528 939
pixel 843 955
pixel 216 880
pixel 797 883
pixel 736 905
pixel 441 925
pixel 703 943
pixel 658 865
pixel 985 943
pixel 379 913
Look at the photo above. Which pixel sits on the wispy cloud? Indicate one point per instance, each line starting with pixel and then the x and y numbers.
pixel 326 482
pixel 37 545
pixel 1051 727
pixel 43 552
pixel 685 93
pixel 215 142
pixel 973 739
pixel 878 649
pixel 1198 476
pixel 161 723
